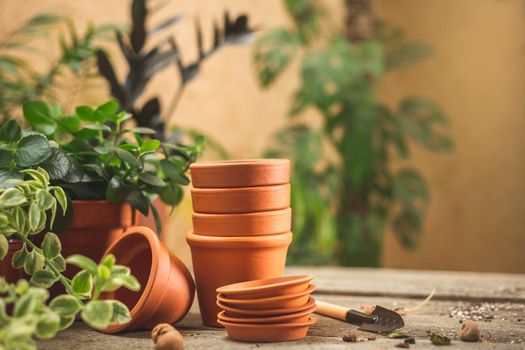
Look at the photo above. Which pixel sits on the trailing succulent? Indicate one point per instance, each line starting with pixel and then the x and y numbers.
pixel 25 207
pixel 92 155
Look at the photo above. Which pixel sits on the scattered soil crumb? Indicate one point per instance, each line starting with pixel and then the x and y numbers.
pixel 350 338
pixel 403 345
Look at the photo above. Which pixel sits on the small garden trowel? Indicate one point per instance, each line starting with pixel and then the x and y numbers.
pixel 380 321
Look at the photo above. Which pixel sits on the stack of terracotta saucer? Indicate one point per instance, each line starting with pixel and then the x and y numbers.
pixel 241 225
pixel 267 310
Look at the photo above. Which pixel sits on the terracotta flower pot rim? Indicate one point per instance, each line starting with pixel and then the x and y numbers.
pixel 243 215
pixel 216 242
pixel 251 313
pixel 310 322
pixel 154 245
pixel 269 319
pixel 265 284
pixel 240 162
pixel 242 302
pixel 240 189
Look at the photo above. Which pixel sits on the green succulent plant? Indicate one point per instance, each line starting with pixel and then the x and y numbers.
pixel 26 205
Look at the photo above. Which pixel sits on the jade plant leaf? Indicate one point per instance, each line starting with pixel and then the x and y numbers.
pixel 10 131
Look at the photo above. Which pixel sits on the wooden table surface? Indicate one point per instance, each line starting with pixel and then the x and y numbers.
pixel 496 300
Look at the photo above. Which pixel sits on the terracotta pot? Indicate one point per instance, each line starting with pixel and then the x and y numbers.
pixel 240 200
pixel 7 271
pixel 236 312
pixel 278 302
pixel 218 261
pixel 167 289
pixel 246 224
pixel 265 288
pixel 267 332
pixel 240 173
pixel 149 221
pixel 296 317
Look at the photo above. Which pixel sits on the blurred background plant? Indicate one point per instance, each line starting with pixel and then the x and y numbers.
pixel 69 79
pixel 349 178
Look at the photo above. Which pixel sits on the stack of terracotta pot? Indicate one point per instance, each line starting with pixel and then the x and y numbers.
pixel 274 309
pixel 241 225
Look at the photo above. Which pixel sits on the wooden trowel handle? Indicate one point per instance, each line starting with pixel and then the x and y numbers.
pixel 331 310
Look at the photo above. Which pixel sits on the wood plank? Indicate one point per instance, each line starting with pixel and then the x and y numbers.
pixel 326 334
pixel 451 285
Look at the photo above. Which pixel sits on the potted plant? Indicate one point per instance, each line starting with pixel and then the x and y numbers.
pixel 26 205
pixel 109 170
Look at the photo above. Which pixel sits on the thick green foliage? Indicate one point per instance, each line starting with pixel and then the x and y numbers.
pixel 342 204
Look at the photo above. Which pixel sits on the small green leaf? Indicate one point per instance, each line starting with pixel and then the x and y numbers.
pixel 82 262
pixel 59 263
pixel 121 313
pixel 34 261
pixel 38 176
pixel 171 194
pixel 66 305
pixel 152 180
pixel 104 272
pixel 47 325
pixel 10 131
pixel 19 257
pixel 6 158
pixel 130 282
pixel 126 157
pixel 66 322
pixel 85 113
pixel 25 305
pixel 51 245
pixel 44 200
pixel 61 197
pixel 12 197
pixel 107 111
pixel 138 201
pixel 82 283
pixel 149 146
pixel 96 127
pixel 32 150
pixel 116 191
pixel 98 314
pixel 109 261
pixel 4 247
pixel 39 114
pixel 439 339
pixel 43 278
pixel 34 216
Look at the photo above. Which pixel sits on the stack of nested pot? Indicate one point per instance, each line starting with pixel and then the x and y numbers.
pixel 267 310
pixel 241 225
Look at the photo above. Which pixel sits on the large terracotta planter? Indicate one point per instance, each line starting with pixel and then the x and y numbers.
pixel 167 289
pixel 240 173
pixel 244 224
pixel 218 261
pixel 240 200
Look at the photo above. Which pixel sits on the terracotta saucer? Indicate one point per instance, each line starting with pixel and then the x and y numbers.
pixel 278 302
pixel 267 332
pixel 296 317
pixel 265 288
pixel 240 173
pixel 236 312
pixel 245 224
pixel 240 200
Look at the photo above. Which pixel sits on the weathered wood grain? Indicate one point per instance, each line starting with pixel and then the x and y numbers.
pixel 506 331
pixel 451 285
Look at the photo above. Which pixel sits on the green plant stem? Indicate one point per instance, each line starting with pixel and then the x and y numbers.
pixel 63 279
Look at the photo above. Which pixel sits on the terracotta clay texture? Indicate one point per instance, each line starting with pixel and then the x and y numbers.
pixel 240 200
pixel 246 224
pixel 278 302
pixel 267 332
pixel 268 287
pixel 236 312
pixel 240 173
pixel 218 261
pixel 167 289
pixel 296 317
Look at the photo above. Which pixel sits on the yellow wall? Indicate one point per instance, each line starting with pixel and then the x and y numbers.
pixel 477 216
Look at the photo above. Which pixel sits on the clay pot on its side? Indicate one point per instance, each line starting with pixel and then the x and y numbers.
pixel 240 173
pixel 245 224
pixel 218 261
pixel 240 200
pixel 167 289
